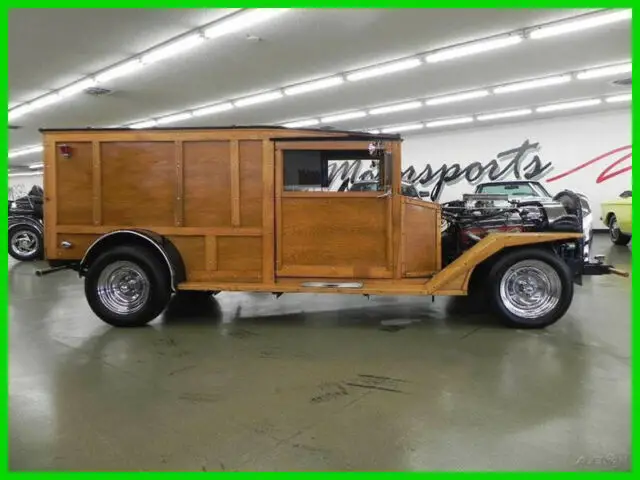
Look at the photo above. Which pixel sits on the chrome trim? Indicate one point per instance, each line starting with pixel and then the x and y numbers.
pixel 332 284
pixel 172 273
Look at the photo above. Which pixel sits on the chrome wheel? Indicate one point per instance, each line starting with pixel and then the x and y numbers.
pixel 24 243
pixel 530 289
pixel 123 287
pixel 614 229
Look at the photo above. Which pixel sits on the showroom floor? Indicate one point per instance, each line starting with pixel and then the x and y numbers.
pixel 314 382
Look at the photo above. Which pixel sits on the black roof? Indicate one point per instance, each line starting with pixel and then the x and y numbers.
pixel 349 134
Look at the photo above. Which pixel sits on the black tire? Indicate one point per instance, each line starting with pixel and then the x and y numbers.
pixel 146 270
pixel 617 237
pixel 26 254
pixel 538 258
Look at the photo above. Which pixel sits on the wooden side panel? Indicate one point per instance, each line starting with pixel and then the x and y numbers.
pixel 241 254
pixel 138 183
pixel 79 245
pixel 335 235
pixel 193 252
pixel 207 186
pixel 74 185
pixel 420 238
pixel 251 186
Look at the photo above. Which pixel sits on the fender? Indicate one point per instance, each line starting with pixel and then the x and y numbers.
pixel 162 245
pixel 15 220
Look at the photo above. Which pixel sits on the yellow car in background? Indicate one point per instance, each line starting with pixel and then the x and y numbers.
pixel 616 214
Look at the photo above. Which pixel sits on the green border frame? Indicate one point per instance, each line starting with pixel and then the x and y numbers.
pixel 4 334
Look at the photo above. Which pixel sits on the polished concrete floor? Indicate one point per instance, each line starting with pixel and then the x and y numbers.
pixel 312 382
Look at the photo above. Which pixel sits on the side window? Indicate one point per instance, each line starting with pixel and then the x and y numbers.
pixel 335 171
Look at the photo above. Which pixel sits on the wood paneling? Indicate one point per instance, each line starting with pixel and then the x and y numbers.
pixel 207 186
pixel 250 183
pixel 178 211
pixel 74 189
pixel 420 238
pixel 234 158
pixel 333 232
pixel 138 183
pixel 97 184
pixel 193 252
pixel 79 245
pixel 268 220
pixel 240 254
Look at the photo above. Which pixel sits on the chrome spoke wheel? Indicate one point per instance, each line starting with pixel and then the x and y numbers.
pixel 24 243
pixel 614 229
pixel 123 287
pixel 530 289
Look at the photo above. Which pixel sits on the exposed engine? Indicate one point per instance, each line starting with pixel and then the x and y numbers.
pixel 467 221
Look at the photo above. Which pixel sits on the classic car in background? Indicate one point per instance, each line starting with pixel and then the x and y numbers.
pixel 26 232
pixel 616 215
pixel 522 191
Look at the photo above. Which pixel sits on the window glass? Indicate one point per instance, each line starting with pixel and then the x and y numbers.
pixel 513 189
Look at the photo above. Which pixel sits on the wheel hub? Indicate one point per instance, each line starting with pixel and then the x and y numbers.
pixel 24 243
pixel 123 287
pixel 530 289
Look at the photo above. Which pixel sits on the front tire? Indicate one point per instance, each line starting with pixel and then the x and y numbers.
pixel 127 286
pixel 530 288
pixel 617 237
pixel 25 243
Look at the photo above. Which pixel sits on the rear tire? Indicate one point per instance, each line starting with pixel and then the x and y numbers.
pixel 25 243
pixel 617 237
pixel 127 286
pixel 530 288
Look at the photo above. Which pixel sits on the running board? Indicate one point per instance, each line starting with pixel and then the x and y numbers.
pixel 332 284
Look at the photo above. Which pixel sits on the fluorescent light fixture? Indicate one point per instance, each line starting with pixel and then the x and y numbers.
pixel 260 98
pixel 76 87
pixel 119 71
pixel 581 23
pixel 625 97
pixel 145 124
pixel 19 111
pixel 45 101
pixel 472 48
pixel 19 152
pixel 604 71
pixel 529 84
pixel 396 108
pixel 510 114
pixel 451 121
pixel 302 123
pixel 569 105
pixel 221 107
pixel 178 117
pixel 314 85
pixel 457 97
pixel 173 48
pixel 36 166
pixel 241 21
pixel 385 69
pixel 375 131
pixel 403 128
pixel 343 116
pixel 25 174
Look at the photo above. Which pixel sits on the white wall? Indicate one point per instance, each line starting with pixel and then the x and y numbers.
pixel 563 143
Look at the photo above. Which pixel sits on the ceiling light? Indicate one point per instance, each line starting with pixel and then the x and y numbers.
pixel 25 174
pixel 582 23
pixel 569 105
pixel 509 114
pixel 384 69
pixel 45 101
pixel 315 85
pixel 604 71
pixel 396 108
pixel 25 151
pixel 529 84
pixel 403 128
pixel 242 20
pixel 173 48
pixel 119 71
pixel 451 121
pixel 260 98
pixel 457 97
pixel 302 123
pixel 625 97
pixel 221 107
pixel 343 116
pixel 178 117
pixel 77 87
pixel 375 131
pixel 36 166
pixel 473 48
pixel 145 124
pixel 19 111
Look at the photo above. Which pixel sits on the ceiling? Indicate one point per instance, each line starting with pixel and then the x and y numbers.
pixel 296 46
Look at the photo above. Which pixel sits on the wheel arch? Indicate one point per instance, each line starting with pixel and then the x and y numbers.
pixel 607 218
pixel 160 247
pixel 18 221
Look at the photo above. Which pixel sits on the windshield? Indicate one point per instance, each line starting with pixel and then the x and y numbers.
pixel 511 189
pixel 364 187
